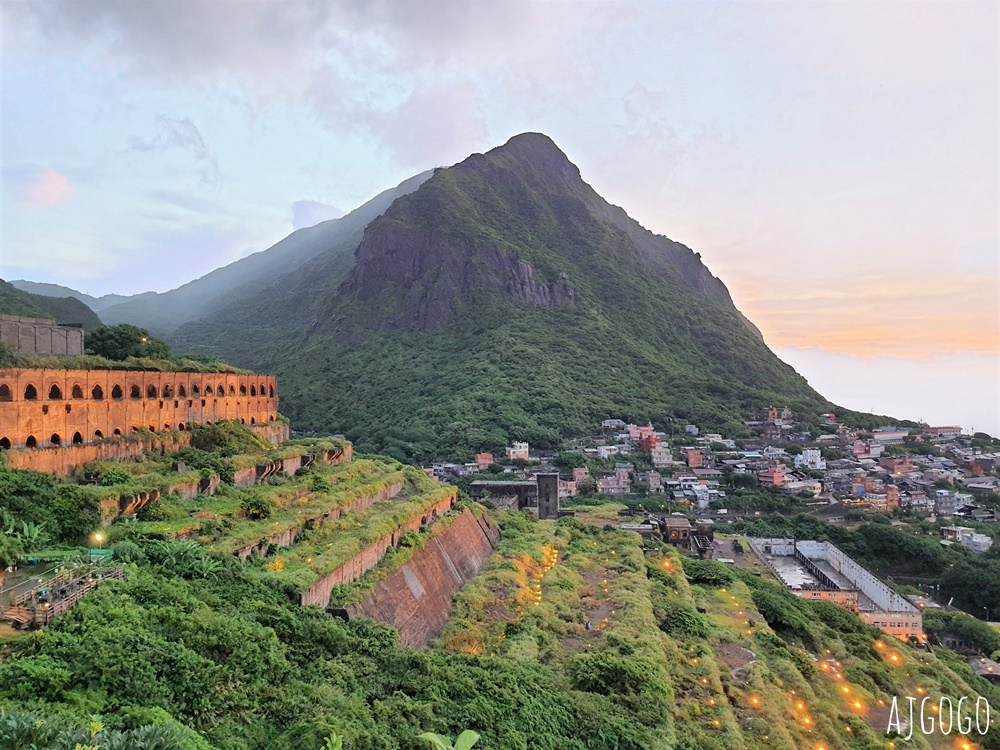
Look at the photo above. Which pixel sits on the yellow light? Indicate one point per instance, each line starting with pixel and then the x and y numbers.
pixel 857 704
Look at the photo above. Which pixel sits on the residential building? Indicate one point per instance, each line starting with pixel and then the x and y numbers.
pixel 618 484
pixel 484 460
pixel 607 451
pixel 896 465
pixel 695 458
pixel 581 474
pixel 612 424
pixel 648 443
pixel 811 458
pixel 518 450
pixel 967 537
pixel 943 433
pixel 773 475
pixel 661 456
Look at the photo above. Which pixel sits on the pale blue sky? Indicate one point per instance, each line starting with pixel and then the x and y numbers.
pixel 835 163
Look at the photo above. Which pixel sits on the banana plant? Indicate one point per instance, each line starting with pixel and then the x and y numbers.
pixel 464 741
pixel 333 742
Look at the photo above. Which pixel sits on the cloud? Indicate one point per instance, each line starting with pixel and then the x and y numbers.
pixel 180 134
pixel 310 213
pixel 38 186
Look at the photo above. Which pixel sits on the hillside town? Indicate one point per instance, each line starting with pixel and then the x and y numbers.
pixel 831 471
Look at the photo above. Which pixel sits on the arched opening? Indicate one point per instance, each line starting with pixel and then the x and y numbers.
pixel 272 417
pixel 150 391
pixel 195 390
pixel 77 438
pixel 261 389
pixel 168 391
pixel 197 423
pixel 5 393
pixel 208 421
pixel 55 394
pixel 152 426
pixel 182 427
pixel 243 389
pixel 98 393
pixel 232 391
pixel 166 426
pixel 134 392
pixel 182 391
pixel 117 432
pixel 253 421
pixel 30 394
pixel 270 391
pixel 98 434
pixel 242 420
pixel 220 391
pixel 135 428
pixel 77 391
pixel 31 442
pixel 55 439
pixel 116 392
pixel 5 444
pixel 253 390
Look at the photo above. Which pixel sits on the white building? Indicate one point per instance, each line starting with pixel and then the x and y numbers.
pixel 607 451
pixel 811 458
pixel 967 537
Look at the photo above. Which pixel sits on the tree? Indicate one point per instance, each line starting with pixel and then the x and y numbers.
pixel 464 741
pixel 123 341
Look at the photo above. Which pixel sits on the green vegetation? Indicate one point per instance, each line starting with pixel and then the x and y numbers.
pixel 423 367
pixel 61 309
pixel 122 341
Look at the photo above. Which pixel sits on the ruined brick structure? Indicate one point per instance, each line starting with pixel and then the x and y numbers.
pixel 51 408
pixel 40 336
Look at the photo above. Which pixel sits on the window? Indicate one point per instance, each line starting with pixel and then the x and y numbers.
pixel 135 392
pixel 55 394
pixel 150 391
pixel 5 393
pixel 30 441
pixel 77 438
pixel 55 439
pixel 77 391
pixel 168 391
pixel 182 391
pixel 97 393
pixel 116 392
pixel 98 434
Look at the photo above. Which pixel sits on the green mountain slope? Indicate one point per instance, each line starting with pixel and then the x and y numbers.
pixel 503 298
pixel 245 278
pixel 13 301
pixel 55 290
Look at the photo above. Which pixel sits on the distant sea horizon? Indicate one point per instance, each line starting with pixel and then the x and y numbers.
pixel 950 389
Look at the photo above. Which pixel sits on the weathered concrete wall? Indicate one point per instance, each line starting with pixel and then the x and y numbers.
pixel 357 566
pixel 417 598
pixel 40 336
pixel 41 408
pixel 61 461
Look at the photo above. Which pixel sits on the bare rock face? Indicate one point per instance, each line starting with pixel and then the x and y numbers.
pixel 426 273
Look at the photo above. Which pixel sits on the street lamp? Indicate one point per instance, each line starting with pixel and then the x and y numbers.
pixel 99 538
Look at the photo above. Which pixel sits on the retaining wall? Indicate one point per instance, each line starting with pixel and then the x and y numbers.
pixel 417 598
pixel 357 566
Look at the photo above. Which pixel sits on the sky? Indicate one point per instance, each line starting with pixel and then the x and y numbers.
pixel 837 164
